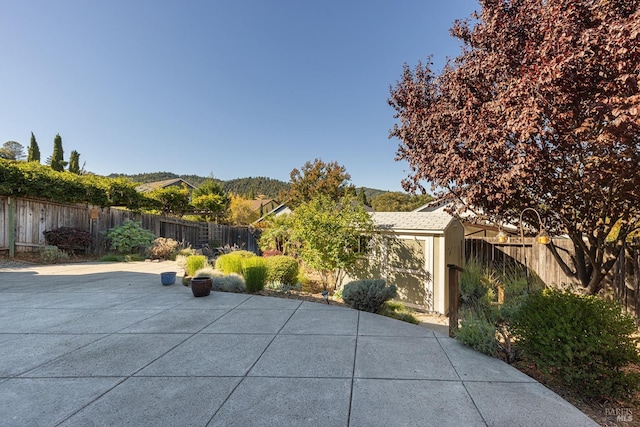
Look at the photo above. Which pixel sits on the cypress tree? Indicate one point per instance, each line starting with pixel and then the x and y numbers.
pixel 74 162
pixel 57 158
pixel 362 197
pixel 34 151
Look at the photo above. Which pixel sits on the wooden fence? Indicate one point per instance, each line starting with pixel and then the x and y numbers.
pixel 622 284
pixel 23 221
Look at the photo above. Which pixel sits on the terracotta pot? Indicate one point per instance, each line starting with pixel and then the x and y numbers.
pixel 201 286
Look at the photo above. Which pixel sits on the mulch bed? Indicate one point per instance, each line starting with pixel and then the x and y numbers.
pixel 602 412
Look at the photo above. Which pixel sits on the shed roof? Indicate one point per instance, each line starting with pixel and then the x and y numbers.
pixel 412 221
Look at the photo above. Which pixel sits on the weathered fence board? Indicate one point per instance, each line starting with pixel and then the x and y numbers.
pixel 31 217
pixel 622 283
pixel 534 256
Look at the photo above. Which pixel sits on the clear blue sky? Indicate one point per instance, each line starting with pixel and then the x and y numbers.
pixel 230 88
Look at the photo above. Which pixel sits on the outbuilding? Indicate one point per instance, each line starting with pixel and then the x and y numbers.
pixel 412 251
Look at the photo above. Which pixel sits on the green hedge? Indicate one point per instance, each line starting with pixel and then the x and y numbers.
pixel 31 179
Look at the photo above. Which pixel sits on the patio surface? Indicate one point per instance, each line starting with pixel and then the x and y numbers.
pixel 107 344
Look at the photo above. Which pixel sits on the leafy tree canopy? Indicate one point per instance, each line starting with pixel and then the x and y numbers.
pixel 330 233
pixel 317 179
pixel 540 110
pixel 12 150
pixel 173 200
pixel 241 212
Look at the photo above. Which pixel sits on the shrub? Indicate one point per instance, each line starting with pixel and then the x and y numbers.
pixel 478 314
pixel 162 248
pixel 194 263
pixel 128 237
pixel 230 283
pixel 479 333
pixel 368 294
pixel 68 237
pixel 475 283
pixel 232 262
pixel 254 271
pixel 584 341
pixel 282 269
pixel 51 254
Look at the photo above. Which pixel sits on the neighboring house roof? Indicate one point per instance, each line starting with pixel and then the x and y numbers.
pixel 437 205
pixel 266 204
pixel 279 210
pixel 176 182
pixel 435 222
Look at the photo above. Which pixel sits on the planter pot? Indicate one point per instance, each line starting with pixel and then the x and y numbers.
pixel 201 286
pixel 168 278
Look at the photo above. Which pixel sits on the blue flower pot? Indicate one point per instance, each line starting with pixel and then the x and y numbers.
pixel 168 278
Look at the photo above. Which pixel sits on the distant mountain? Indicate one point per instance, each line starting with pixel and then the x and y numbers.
pixel 244 186
pixel 372 192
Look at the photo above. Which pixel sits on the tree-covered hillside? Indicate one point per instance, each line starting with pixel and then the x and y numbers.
pixel 243 186
pixel 246 187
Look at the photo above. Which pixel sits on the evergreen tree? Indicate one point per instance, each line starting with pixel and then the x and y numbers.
pixel 57 158
pixel 362 197
pixel 74 162
pixel 34 151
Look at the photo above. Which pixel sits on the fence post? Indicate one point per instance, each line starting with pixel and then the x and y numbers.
pixel 454 298
pixel 12 226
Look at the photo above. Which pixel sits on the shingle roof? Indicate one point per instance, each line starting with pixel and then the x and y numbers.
pixel 150 186
pixel 414 221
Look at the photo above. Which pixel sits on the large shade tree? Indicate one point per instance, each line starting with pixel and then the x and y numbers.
pixel 540 110
pixel 315 179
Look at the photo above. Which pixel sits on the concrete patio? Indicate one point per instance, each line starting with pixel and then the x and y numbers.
pixel 107 344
